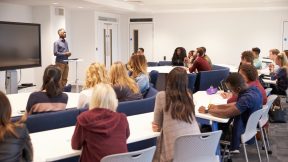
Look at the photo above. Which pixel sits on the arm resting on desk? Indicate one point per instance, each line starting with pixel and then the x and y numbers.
pixel 77 138
pixel 224 111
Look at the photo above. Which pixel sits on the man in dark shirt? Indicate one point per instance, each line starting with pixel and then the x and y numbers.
pixel 249 100
pixel 61 51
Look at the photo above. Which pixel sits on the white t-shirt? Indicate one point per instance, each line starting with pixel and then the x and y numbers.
pixel 85 97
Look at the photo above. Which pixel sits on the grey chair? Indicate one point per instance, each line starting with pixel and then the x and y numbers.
pixel 145 155
pixel 197 147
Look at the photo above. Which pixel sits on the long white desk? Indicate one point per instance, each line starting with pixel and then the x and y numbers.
pixel 201 98
pixel 56 144
pixel 19 101
pixel 162 69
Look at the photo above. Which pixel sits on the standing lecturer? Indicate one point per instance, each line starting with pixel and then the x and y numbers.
pixel 61 51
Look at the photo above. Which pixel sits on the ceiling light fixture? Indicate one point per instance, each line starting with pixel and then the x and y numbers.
pixel 55 3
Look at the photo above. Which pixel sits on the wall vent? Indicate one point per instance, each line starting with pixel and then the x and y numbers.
pixel 107 19
pixel 141 20
pixel 59 11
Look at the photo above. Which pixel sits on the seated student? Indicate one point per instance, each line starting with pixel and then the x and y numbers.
pixel 139 72
pixel 140 51
pixel 249 100
pixel 95 74
pixel 281 75
pixel 101 131
pixel 250 75
pixel 174 114
pixel 179 56
pixel 15 143
pixel 125 87
pixel 246 58
pixel 51 96
pixel 206 56
pixel 188 61
pixel 256 62
pixel 200 64
pixel 272 55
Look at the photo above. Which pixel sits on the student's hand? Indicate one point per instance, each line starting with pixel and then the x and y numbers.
pixel 68 54
pixel 202 110
pixel 226 95
pixel 211 106
pixel 271 67
pixel 155 127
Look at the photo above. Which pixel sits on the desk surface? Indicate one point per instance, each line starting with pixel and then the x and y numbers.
pixel 56 144
pixel 163 69
pixel 19 101
pixel 201 98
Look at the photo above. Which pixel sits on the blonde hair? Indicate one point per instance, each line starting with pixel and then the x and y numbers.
pixel 282 58
pixel 103 96
pixel 139 65
pixel 95 74
pixel 119 76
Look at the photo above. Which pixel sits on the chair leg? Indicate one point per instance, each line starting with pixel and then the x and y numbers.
pixel 246 157
pixel 224 153
pixel 264 143
pixel 267 141
pixel 258 150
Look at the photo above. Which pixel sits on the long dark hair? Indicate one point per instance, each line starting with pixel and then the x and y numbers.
pixel 51 81
pixel 182 55
pixel 6 126
pixel 178 97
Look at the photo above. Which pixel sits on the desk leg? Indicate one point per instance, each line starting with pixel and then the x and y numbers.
pixel 214 126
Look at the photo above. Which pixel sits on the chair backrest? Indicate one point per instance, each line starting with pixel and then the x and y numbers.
pixel 265 117
pixel 198 147
pixel 205 79
pixel 153 77
pixel 137 106
pixel 145 155
pixel 251 126
pixel 151 93
pixel 191 81
pixel 165 63
pixel 150 64
pixel 52 120
pixel 268 91
pixel 217 67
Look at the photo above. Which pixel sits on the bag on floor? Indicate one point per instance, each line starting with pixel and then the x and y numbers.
pixel 277 115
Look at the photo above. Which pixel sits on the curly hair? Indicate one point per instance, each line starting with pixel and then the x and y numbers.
pixel 95 74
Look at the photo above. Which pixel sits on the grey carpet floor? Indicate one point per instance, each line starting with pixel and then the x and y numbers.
pixel 278 134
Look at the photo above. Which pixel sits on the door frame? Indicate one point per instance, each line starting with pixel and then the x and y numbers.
pixel 153 33
pixel 101 24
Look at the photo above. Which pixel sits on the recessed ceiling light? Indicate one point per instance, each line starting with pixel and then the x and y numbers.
pixel 55 3
pixel 80 7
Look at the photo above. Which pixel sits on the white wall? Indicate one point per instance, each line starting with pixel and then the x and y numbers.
pixel 16 13
pixel 82 45
pixel 225 34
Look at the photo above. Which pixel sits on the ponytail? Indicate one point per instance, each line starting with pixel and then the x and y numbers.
pixel 51 81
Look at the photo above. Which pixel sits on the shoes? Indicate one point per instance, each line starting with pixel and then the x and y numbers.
pixel 234 152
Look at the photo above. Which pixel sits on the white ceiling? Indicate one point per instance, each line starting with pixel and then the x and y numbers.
pixel 123 6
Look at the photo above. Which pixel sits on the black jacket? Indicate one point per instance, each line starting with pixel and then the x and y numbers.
pixel 14 149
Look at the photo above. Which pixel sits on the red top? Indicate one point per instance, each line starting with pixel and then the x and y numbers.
pixel 201 64
pixel 100 132
pixel 258 85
